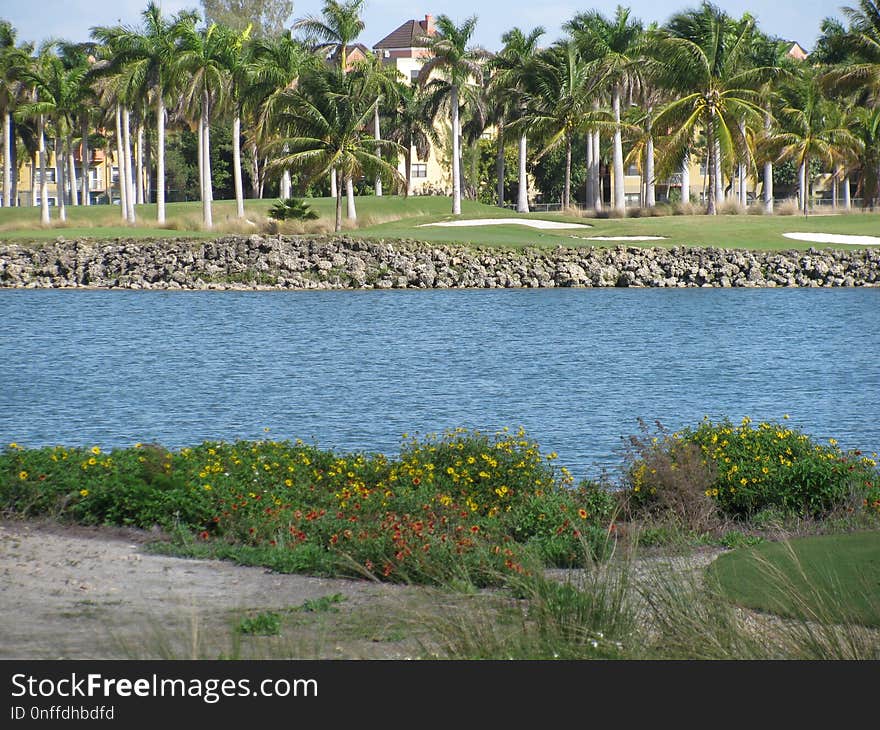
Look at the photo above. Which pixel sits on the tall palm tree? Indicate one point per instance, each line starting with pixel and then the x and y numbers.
pixel 511 67
pixel 558 98
pixel 12 59
pixel 809 132
pixel 276 64
pixel 458 65
pixel 202 58
pixel 148 55
pixel 338 27
pixel 236 61
pixel 612 47
pixel 412 127
pixel 325 118
pixel 702 57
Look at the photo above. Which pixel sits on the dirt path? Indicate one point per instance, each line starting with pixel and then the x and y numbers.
pixel 81 593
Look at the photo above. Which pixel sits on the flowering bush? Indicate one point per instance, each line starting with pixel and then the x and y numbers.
pixel 748 468
pixel 459 501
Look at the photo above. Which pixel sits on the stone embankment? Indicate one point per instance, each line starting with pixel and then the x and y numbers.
pixel 343 262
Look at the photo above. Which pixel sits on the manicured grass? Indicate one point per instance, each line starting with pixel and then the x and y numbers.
pixel 392 217
pixel 826 578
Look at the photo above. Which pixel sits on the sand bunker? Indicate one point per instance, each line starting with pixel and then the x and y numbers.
pixel 835 238
pixel 530 222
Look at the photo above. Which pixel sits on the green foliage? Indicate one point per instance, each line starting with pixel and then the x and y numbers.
pixel 263 624
pixel 459 506
pixel 292 209
pixel 744 469
pixel 322 604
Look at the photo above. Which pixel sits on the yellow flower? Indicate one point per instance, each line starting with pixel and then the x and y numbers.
pixel 207 487
pixel 743 481
pixel 83 492
pixel 833 442
pixel 92 461
pixel 22 475
pixel 96 450
pixel 14 445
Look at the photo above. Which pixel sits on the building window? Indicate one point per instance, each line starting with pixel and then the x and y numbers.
pixel 114 174
pixel 50 175
pixel 703 170
pixel 419 169
pixel 414 76
pixel 632 170
pixel 51 201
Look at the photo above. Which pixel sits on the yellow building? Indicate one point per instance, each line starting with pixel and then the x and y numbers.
pixel 103 180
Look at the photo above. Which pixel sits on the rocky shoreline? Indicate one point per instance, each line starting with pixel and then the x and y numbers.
pixel 345 262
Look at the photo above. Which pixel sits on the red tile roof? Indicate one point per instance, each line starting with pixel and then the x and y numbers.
pixel 408 35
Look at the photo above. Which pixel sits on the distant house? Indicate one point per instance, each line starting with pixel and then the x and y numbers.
pixel 405 49
pixel 797 52
pixel 353 53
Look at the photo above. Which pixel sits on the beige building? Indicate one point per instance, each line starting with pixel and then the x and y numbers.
pixel 403 49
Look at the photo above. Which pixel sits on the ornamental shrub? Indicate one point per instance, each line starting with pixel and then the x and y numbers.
pixel 749 468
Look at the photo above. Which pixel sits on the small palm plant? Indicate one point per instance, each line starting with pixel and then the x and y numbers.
pixel 292 209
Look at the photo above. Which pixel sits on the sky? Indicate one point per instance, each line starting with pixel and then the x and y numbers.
pixel 797 20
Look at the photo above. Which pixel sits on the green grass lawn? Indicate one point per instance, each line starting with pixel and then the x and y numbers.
pixel 392 217
pixel 833 578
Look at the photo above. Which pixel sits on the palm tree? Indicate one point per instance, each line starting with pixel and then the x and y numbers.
pixel 512 67
pixel 148 56
pixel 412 126
pixel 276 64
pixel 236 61
pixel 325 118
pixel 702 56
pixel 612 47
pixel 12 59
pixel 558 98
pixel 201 58
pixel 460 65
pixel 809 132
pixel 339 26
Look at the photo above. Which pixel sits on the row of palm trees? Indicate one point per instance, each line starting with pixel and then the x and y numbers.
pixel 704 85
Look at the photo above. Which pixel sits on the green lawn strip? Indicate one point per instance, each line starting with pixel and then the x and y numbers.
pixel 394 217
pixel 832 578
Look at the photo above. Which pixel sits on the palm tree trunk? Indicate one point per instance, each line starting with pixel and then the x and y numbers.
pixel 60 192
pixel 236 165
pixel 847 200
pixel 139 161
pixel 334 193
pixel 588 187
pixel 71 168
pixel 686 178
pixel 207 216
pixel 350 212
pixel 719 175
pixel 617 154
pixel 44 186
pixel 456 153
pixel 522 197
pixel 85 164
pixel 768 188
pixel 499 165
pixel 595 171
pixel 148 167
pixel 802 186
pixel 378 136
pixel 408 163
pixel 712 159
pixel 129 166
pixel 338 226
pixel 566 187
pixel 201 159
pixel 835 188
pixel 160 157
pixel 284 185
pixel 7 160
pixel 255 171
pixel 650 182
